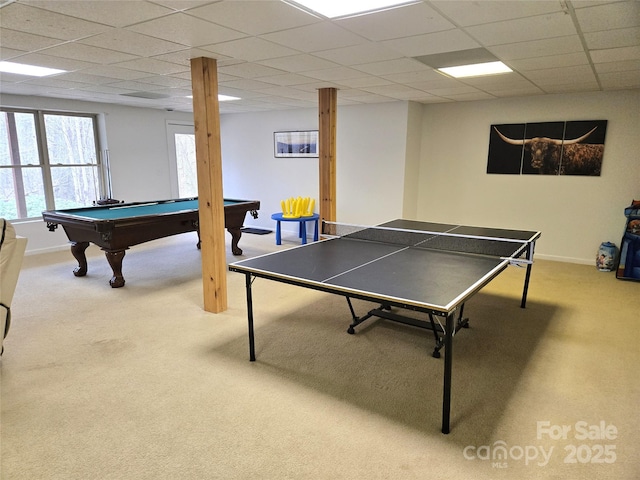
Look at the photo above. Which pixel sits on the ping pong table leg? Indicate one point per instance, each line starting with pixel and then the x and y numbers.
pixel 523 304
pixel 252 346
pixel 448 363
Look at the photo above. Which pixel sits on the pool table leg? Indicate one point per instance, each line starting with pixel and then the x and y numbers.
pixel 115 260
pixel 77 250
pixel 236 233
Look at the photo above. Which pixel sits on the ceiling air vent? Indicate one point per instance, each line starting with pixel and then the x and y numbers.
pixel 150 95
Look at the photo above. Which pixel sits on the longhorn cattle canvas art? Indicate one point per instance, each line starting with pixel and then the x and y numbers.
pixel 548 148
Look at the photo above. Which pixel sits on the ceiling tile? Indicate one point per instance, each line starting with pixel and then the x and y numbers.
pixel 289 93
pixel 470 97
pixel 316 37
pixel 522 91
pixel 620 80
pixel 36 21
pixel 361 96
pixel 439 42
pixel 622 66
pixel 87 53
pixel 359 54
pixel 298 63
pixel 458 89
pixel 537 48
pixel 85 78
pixel 251 49
pixel 183 57
pixel 317 85
pixel 399 65
pixel 176 92
pixel 467 13
pixel 167 81
pixel 609 16
pixel 9 53
pixel 524 29
pixel 55 82
pixel 287 79
pixel 508 85
pixel 181 5
pixel 107 89
pixel 246 84
pixel 615 54
pixel 406 21
pixel 401 92
pixel 135 86
pixel 53 62
pixel 338 73
pixel 114 13
pixel 24 41
pixel 10 78
pixel 563 76
pixel 362 82
pixel 186 30
pixel 586 86
pixel 436 83
pixel 620 37
pixel 132 42
pixel 151 65
pixel 250 70
pixel 551 61
pixel 255 17
pixel 114 72
pixel 426 75
pixel 510 80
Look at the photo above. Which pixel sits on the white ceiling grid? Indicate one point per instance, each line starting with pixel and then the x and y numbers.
pixel 276 56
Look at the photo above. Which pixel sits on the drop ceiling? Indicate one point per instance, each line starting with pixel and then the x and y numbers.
pixel 275 56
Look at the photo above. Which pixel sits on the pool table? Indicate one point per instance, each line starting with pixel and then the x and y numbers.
pixel 116 227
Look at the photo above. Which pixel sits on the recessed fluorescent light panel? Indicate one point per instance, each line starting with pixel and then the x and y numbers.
pixel 226 98
pixel 222 98
pixel 343 8
pixel 31 70
pixel 476 69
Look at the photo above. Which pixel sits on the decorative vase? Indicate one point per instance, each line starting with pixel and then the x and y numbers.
pixel 605 261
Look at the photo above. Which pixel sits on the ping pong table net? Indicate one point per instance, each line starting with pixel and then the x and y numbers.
pixel 507 248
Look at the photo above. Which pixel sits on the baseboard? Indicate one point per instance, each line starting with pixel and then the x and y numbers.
pixel 556 258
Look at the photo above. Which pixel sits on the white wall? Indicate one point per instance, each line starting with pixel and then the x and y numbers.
pixel 575 214
pixel 251 172
pixel 370 161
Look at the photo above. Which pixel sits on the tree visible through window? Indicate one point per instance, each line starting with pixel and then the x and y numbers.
pixel 47 160
pixel 186 164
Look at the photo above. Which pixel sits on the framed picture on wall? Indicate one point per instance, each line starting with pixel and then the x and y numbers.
pixel 547 148
pixel 295 144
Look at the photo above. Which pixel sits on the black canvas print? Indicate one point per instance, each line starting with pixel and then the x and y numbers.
pixel 504 157
pixel 548 148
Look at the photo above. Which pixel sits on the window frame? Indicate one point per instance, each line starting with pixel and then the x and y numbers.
pixel 101 166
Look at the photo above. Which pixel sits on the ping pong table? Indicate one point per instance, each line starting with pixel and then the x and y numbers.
pixel 425 267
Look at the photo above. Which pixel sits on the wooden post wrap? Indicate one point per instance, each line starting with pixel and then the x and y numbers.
pixel 327 152
pixel 206 115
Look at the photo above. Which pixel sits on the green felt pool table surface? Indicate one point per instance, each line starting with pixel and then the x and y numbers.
pixel 139 209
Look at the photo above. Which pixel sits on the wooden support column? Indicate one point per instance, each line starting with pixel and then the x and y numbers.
pixel 206 116
pixel 327 106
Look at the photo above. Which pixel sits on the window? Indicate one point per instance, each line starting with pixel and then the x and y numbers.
pixel 186 163
pixel 182 157
pixel 47 160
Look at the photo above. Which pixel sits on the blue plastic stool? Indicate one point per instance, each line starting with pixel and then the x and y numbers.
pixel 302 230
